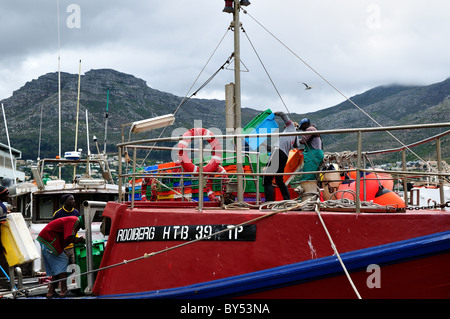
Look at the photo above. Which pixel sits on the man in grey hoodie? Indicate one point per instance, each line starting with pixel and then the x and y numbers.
pixel 278 160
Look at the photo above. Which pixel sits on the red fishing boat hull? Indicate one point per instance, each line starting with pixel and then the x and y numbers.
pixel 286 255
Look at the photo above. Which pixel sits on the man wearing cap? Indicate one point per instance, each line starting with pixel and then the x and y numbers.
pixel 313 152
pixel 312 159
pixel 59 233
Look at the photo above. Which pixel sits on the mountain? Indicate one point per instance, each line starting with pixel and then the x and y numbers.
pixel 131 100
pixel 390 106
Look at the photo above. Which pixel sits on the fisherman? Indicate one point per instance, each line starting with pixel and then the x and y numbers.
pixel 68 209
pixel 59 233
pixel 312 156
pixel 278 160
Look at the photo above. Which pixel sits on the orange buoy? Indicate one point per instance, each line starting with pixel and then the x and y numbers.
pixel 386 197
pixel 385 179
pixel 371 183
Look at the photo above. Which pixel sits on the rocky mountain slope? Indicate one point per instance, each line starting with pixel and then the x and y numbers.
pixel 131 100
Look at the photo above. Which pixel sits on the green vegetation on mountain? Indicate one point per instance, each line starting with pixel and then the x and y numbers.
pixel 131 100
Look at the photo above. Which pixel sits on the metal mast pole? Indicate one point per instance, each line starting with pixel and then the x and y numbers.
pixel 13 164
pixel 78 107
pixel 237 101
pixel 78 112
pixel 106 120
pixel 59 91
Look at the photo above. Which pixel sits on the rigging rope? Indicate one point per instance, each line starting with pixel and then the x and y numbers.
pixel 333 246
pixel 186 98
pixel 265 69
pixel 336 89
pixel 172 189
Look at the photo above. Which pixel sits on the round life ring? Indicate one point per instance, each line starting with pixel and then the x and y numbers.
pixel 186 162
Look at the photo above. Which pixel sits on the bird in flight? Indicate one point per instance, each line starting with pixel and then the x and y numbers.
pixel 307 87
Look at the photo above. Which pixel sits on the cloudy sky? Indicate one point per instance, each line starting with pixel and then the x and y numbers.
pixel 355 44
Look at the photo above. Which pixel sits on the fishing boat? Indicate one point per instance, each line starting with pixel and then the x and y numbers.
pixel 199 227
pixel 186 237
pixel 335 249
pixel 38 200
pixel 88 178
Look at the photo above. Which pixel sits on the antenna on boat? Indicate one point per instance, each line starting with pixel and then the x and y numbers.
pixel 106 119
pixel 40 136
pixel 78 112
pixel 88 153
pixel 78 106
pixel 237 125
pixel 87 134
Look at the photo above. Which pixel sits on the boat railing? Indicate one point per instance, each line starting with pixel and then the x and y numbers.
pixel 96 159
pixel 359 156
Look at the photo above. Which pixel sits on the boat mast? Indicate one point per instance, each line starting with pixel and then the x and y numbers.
pixel 59 90
pixel 106 120
pixel 78 111
pixel 88 153
pixel 237 101
pixel 9 146
pixel 78 107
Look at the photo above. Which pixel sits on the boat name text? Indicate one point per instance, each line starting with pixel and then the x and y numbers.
pixel 187 233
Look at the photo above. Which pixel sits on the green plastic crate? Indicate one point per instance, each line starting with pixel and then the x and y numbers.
pixel 98 247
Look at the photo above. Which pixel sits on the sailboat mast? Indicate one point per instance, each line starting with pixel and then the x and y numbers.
pixel 59 89
pixel 237 101
pixel 78 107
pixel 106 120
pixel 13 165
pixel 78 112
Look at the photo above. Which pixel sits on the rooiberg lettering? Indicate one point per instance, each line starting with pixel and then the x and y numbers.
pixel 186 233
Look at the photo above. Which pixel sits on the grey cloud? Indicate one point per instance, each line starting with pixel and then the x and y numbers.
pixel 356 44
